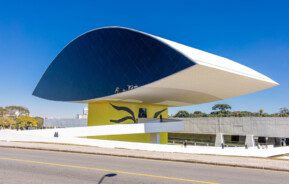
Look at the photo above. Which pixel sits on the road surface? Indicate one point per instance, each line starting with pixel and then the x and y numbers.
pixel 48 167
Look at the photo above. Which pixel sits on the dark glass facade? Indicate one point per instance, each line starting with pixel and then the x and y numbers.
pixel 105 61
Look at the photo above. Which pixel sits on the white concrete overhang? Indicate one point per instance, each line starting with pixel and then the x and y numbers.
pixel 212 78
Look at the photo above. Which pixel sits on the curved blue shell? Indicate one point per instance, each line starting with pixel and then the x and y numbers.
pixel 97 62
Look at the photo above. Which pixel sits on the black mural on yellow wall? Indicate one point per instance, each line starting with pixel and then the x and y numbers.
pixel 131 115
pixel 158 113
pixel 126 109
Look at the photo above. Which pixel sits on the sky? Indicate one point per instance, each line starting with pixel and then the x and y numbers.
pixel 253 33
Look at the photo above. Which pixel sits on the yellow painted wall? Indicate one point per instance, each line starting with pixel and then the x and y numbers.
pixel 101 113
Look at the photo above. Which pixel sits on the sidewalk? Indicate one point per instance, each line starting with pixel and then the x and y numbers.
pixel 258 163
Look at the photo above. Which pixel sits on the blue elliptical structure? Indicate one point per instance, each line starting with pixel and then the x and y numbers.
pixel 97 62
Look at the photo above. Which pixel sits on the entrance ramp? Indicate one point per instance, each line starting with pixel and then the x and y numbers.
pixel 137 128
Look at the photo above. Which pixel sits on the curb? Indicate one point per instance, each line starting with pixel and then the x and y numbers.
pixel 145 157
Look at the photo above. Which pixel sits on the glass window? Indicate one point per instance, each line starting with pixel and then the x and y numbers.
pixel 142 113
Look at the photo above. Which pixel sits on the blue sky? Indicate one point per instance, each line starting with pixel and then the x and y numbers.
pixel 253 33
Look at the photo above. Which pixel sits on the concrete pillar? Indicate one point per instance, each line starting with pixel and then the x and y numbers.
pixel 219 139
pixel 155 138
pixel 283 141
pixel 250 142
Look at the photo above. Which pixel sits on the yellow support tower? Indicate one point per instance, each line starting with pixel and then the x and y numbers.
pixel 109 112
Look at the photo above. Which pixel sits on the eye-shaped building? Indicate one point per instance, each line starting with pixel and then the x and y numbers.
pixel 125 75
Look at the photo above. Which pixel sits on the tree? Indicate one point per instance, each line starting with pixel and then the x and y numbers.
pixel 221 107
pixel 182 114
pixel 241 114
pixel 17 110
pixel 40 122
pixel 26 122
pixel 198 114
pixel 284 111
pixel 7 122
pixel 261 112
pixel 3 111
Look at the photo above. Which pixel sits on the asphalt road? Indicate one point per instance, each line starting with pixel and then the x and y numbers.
pixel 37 167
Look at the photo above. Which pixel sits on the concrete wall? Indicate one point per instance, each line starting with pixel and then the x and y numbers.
pixel 257 126
pixel 63 123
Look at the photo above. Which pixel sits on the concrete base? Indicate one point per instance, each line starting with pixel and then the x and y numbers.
pixel 155 138
pixel 219 141
pixel 249 142
pixel 23 136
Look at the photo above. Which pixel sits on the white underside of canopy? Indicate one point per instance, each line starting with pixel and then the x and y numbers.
pixel 195 85
pixel 212 78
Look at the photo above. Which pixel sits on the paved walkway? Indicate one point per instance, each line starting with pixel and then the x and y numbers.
pixel 259 163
